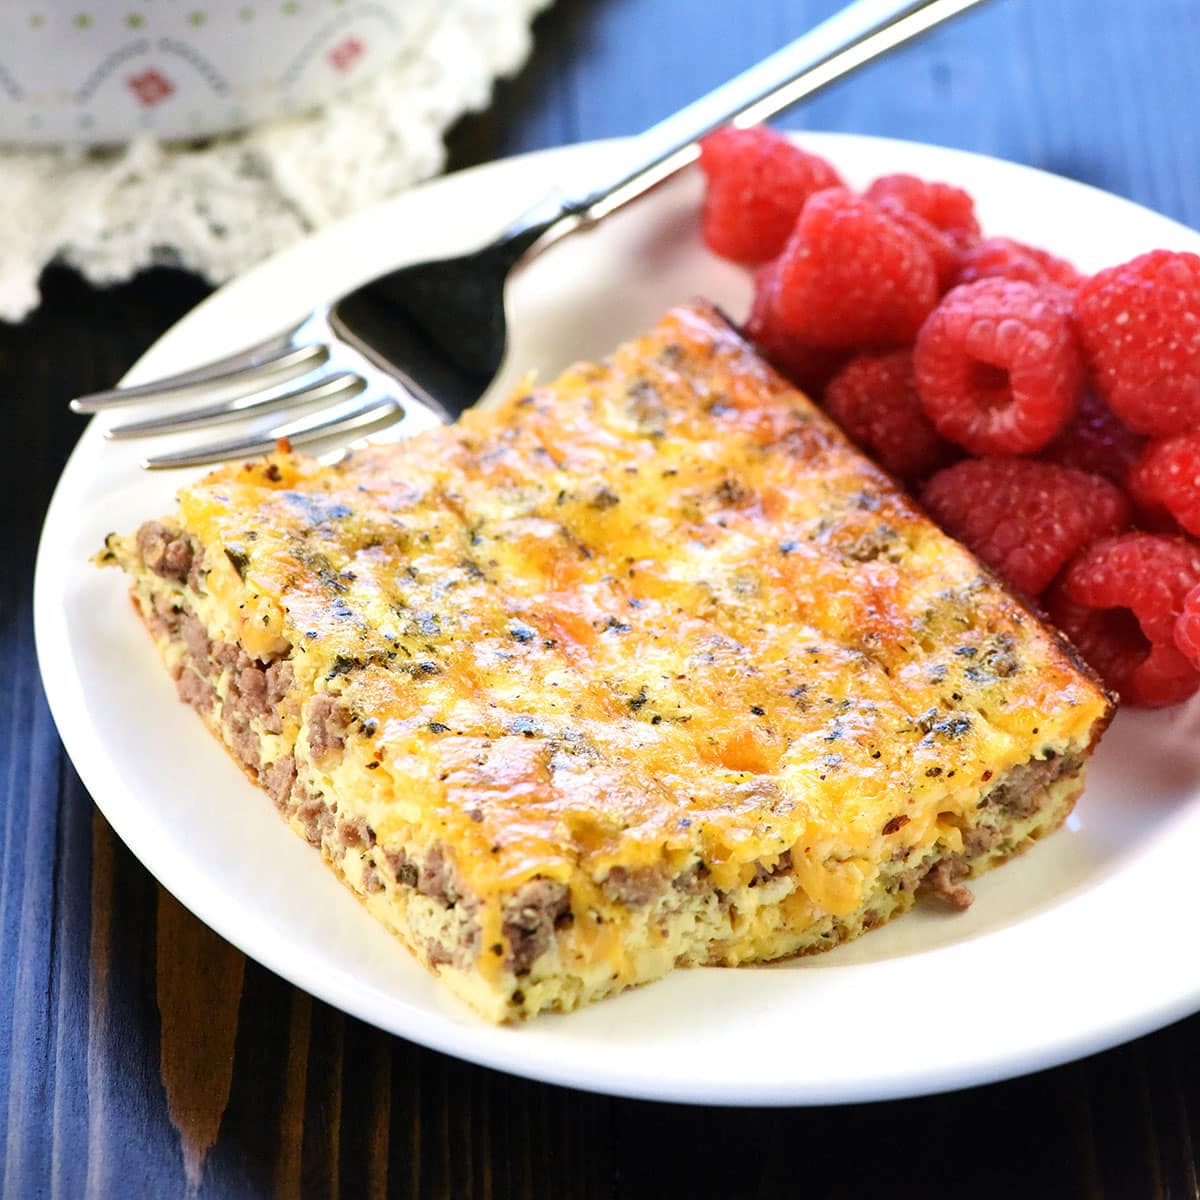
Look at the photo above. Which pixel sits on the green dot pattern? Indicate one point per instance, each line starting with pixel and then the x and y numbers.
pixel 195 17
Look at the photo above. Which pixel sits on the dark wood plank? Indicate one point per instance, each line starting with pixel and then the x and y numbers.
pixel 62 1021
pixel 198 988
pixel 141 1056
pixel 1093 89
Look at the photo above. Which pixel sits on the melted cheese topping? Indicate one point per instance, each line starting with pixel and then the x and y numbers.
pixel 657 610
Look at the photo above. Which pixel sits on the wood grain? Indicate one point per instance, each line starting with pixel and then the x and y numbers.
pixel 199 990
pixel 142 1057
pixel 99 1135
pixel 291 1111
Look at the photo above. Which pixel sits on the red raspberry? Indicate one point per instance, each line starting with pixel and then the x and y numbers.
pixel 947 208
pixel 1096 441
pixel 1025 519
pixel 945 256
pixel 851 276
pixel 942 217
pixel 758 182
pixel 1167 476
pixel 1119 602
pixel 997 367
pixel 1140 328
pixel 809 367
pixel 1005 258
pixel 874 400
pixel 1187 628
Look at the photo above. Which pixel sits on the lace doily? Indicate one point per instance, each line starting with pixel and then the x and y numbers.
pixel 219 208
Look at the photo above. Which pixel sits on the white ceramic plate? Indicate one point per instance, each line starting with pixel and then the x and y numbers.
pixel 1087 940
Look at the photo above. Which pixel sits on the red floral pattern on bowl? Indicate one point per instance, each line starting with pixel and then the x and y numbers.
pixel 104 73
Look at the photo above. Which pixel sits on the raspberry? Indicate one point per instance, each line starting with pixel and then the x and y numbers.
pixel 808 367
pixel 1187 627
pixel 1119 602
pixel 1167 476
pixel 947 208
pixel 940 216
pixel 758 182
pixel 1005 258
pixel 852 276
pixel 997 367
pixel 1094 440
pixel 1025 519
pixel 873 399
pixel 945 256
pixel 1140 328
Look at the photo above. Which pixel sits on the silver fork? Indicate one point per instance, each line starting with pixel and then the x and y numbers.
pixel 415 347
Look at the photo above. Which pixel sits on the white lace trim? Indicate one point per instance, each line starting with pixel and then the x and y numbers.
pixel 218 209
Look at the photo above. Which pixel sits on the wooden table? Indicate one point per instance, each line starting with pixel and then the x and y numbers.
pixel 141 1056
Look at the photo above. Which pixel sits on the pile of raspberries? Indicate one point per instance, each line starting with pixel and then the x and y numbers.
pixel 1048 420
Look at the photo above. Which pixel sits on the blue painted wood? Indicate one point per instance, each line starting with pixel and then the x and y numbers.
pixel 1098 90
pixel 318 1104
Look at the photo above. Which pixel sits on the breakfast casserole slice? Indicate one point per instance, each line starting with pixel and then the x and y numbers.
pixel 644 669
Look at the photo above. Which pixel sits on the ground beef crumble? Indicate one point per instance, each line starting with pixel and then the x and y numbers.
pixel 168 555
pixel 326 725
pixel 531 916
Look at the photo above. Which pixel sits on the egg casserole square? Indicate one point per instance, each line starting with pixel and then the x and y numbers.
pixel 647 668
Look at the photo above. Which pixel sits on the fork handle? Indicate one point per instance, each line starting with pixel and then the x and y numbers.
pixel 862 31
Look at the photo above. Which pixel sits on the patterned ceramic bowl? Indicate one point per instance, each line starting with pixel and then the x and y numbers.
pixel 102 71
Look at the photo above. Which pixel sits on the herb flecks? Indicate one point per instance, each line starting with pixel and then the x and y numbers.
pixel 239 558
pixel 316 510
pixel 604 498
pixel 428 624
pixel 953 727
pixel 342 664
pixel 933 725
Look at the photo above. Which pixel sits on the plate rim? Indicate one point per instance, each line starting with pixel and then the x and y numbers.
pixel 454 1036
